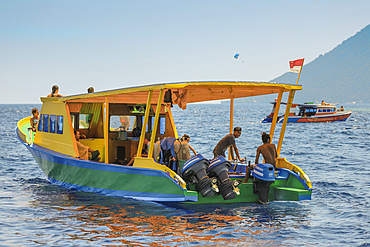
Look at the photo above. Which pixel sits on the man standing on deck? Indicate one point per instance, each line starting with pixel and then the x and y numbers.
pixel 228 141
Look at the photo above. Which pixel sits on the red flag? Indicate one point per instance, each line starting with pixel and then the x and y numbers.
pixel 295 65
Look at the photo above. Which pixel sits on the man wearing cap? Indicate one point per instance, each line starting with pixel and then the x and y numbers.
pixel 228 141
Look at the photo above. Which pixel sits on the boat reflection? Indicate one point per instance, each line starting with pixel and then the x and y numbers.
pixel 141 223
pixel 88 218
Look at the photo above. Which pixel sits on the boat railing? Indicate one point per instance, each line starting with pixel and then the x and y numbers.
pixel 283 163
pixel 149 163
pixel 26 137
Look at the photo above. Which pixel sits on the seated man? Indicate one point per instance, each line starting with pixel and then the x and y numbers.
pixel 35 119
pixel 55 92
pixel 267 150
pixel 84 150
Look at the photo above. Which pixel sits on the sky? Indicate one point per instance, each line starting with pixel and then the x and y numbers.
pixel 115 44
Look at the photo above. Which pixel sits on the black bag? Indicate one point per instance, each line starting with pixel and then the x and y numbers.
pixel 168 97
pixel 136 132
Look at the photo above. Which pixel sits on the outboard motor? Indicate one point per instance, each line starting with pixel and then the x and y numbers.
pixel 264 176
pixel 194 171
pixel 219 167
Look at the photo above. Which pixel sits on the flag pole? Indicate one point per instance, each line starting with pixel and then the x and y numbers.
pixel 300 72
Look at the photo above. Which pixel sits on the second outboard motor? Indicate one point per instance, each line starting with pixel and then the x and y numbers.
pixel 195 169
pixel 264 176
pixel 219 167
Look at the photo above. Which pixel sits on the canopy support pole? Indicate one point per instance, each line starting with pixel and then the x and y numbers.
pixel 106 130
pixel 286 116
pixel 276 114
pixel 143 128
pixel 231 121
pixel 156 120
pixel 172 123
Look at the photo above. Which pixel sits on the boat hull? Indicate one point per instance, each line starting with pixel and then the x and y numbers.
pixel 150 184
pixel 311 119
pixel 109 179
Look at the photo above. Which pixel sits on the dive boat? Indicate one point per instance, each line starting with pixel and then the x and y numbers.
pixel 148 130
pixel 310 113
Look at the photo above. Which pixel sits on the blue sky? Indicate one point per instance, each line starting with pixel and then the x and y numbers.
pixel 115 44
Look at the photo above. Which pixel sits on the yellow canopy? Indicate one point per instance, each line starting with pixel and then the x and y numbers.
pixel 186 92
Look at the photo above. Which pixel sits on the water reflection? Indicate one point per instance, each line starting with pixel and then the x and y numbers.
pixel 98 219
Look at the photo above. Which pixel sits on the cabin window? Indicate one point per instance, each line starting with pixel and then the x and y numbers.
pixel 152 125
pixel 59 124
pixel 39 127
pixel 52 123
pixel 162 125
pixel 45 122
pixel 85 121
pixel 119 122
pixel 147 124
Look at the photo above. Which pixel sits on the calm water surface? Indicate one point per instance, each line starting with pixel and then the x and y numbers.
pixel 335 156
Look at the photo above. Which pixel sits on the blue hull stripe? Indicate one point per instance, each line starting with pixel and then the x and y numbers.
pixel 93 165
pixel 59 158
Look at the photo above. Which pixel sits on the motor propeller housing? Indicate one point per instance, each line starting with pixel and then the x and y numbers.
pixel 194 171
pixel 219 168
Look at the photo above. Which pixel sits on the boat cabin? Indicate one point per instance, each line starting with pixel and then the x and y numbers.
pixel 59 120
pixel 130 122
pixel 306 109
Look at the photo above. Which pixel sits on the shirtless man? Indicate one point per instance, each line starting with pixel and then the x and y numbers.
pixel 228 141
pixel 267 150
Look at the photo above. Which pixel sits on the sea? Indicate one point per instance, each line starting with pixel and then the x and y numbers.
pixel 335 156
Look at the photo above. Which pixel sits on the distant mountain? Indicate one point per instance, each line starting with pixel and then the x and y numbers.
pixel 341 75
